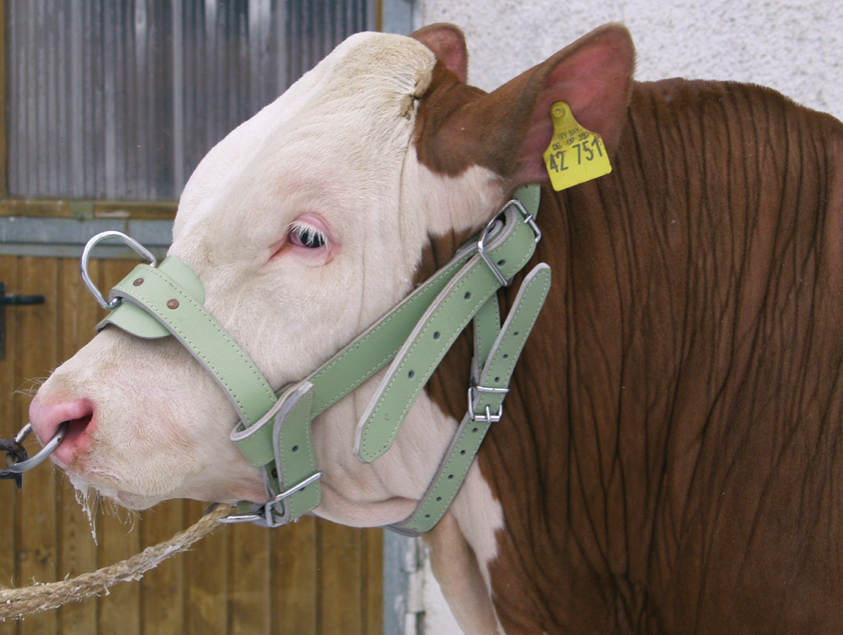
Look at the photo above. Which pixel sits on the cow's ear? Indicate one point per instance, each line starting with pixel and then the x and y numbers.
pixel 593 76
pixel 509 129
pixel 448 43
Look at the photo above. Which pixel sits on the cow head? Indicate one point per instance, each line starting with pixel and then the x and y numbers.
pixel 306 224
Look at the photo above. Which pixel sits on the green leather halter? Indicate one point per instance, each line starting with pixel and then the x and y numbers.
pixel 274 431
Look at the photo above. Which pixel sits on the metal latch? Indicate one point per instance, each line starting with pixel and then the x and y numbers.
pixel 11 298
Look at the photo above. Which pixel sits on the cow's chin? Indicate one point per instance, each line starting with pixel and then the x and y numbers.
pixel 129 500
pixel 250 489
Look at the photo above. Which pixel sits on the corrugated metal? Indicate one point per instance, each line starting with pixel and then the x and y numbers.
pixel 120 100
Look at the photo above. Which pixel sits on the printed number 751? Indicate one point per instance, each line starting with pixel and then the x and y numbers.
pixel 584 150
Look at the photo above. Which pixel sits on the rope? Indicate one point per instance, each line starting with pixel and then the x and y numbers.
pixel 15 603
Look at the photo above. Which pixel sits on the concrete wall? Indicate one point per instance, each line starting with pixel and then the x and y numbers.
pixel 795 47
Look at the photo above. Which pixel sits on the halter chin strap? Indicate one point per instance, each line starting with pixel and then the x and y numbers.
pixel 274 432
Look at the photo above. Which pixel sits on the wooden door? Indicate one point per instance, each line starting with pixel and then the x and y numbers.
pixel 309 578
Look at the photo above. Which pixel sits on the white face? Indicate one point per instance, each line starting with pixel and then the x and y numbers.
pixel 305 225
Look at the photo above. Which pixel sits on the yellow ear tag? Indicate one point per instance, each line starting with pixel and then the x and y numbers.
pixel 575 155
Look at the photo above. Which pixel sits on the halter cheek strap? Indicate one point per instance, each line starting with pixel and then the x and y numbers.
pixel 274 432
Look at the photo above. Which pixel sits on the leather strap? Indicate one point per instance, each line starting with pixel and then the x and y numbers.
pixel 295 460
pixel 182 313
pixel 497 371
pixel 434 335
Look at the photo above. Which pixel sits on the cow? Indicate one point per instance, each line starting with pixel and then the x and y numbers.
pixel 669 459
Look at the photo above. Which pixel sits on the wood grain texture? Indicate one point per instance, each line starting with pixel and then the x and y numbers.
pixel 341 596
pixel 251 594
pixel 206 580
pixel 10 499
pixel 372 582
pixel 37 354
pixel 162 600
pixel 295 578
pixel 77 549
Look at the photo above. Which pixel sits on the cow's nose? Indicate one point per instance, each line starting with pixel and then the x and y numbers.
pixel 46 418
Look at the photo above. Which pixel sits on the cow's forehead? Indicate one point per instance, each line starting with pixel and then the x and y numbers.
pixel 356 98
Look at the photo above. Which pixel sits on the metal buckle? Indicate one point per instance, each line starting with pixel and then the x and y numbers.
pixel 295 488
pixel 489 417
pixel 526 216
pixel 267 515
pixel 86 255
pixel 236 518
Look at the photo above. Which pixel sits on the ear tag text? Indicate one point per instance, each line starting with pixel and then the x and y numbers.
pixel 575 155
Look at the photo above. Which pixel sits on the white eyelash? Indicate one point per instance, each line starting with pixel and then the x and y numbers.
pixel 300 229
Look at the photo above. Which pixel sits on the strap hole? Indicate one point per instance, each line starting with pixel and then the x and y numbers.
pixel 295 448
pixel 437 335
pixel 427 515
pixel 506 356
pixel 501 263
pixel 411 374
pixel 138 282
pixel 497 380
pixel 516 333
pixel 462 452
pixel 474 430
pixel 467 295
pixel 438 499
pixel 450 476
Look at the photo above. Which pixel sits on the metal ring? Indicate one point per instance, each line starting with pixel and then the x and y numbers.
pixel 86 254
pixel 526 216
pixel 481 249
pixel 47 450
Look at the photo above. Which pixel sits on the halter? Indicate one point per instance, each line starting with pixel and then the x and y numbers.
pixel 274 430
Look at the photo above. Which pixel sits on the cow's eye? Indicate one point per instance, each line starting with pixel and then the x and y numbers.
pixel 307 236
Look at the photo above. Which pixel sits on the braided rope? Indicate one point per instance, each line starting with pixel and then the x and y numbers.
pixel 16 603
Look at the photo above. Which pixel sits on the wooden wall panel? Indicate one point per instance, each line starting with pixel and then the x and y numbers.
pixel 340 602
pixel 309 578
pixel 36 354
pixel 162 596
pixel 206 580
pixel 295 578
pixel 77 549
pixel 249 580
pixel 10 499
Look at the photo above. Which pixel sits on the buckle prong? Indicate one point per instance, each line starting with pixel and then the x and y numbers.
pixel 295 488
pixel 266 514
pixel 488 417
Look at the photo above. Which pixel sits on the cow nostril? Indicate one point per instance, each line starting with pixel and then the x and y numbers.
pixel 46 419
pixel 76 428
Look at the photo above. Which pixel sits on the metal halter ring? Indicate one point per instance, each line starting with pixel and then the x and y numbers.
pixel 493 226
pixel 86 254
pixel 47 450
